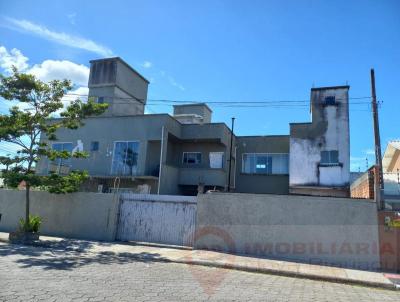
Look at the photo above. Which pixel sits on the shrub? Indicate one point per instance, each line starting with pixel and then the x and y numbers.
pixel 33 224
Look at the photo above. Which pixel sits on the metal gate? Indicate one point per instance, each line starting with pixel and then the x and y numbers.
pixel 389 240
pixel 166 219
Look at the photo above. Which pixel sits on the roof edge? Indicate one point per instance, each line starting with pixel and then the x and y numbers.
pixel 123 62
pixel 331 87
pixel 193 104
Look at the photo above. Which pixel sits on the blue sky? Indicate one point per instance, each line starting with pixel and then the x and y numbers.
pixel 223 51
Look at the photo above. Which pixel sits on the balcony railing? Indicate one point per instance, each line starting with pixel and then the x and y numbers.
pixel 206 176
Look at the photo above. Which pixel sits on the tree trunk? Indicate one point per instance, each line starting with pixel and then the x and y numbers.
pixel 27 189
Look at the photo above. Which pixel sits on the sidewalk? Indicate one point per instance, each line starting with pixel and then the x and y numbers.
pixel 151 252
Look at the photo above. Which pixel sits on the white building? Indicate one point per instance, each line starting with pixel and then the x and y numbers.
pixel 319 162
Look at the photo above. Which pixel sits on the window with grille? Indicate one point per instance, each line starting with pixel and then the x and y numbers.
pixel 191 158
pixel 330 100
pixel 265 163
pixel 330 157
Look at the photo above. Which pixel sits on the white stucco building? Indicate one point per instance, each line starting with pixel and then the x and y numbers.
pixel 319 162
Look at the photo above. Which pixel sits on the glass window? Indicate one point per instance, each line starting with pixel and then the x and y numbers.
pixel 330 157
pixel 125 158
pixel 100 100
pixel 61 165
pixel 192 158
pixel 265 163
pixel 330 100
pixel 216 160
pixel 94 146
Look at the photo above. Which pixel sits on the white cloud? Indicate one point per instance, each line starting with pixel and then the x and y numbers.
pixel 79 93
pixel 356 159
pixel 370 152
pixel 53 69
pixel 361 162
pixel 172 80
pixel 72 17
pixel 14 57
pixel 47 70
pixel 175 83
pixel 58 37
pixel 147 64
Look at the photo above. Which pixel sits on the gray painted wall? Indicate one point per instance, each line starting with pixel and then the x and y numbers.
pixel 77 215
pixel 200 109
pixel 123 87
pixel 147 130
pixel 261 183
pixel 319 230
pixel 107 130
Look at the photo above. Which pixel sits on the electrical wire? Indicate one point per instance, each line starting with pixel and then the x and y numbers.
pixel 214 102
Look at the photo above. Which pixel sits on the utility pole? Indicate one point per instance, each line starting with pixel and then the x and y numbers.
pixel 230 156
pixel 378 176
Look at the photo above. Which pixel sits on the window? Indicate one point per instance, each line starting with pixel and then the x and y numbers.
pixel 265 163
pixel 61 165
pixel 100 100
pixel 330 100
pixel 329 157
pixel 94 146
pixel 125 158
pixel 192 158
pixel 216 160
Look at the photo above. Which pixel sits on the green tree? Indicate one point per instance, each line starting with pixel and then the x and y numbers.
pixel 8 160
pixel 38 103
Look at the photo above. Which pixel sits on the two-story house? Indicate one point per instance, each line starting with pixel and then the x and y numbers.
pixel 186 151
pixel 130 150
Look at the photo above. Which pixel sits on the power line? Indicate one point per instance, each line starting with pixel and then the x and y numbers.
pixel 233 103
pixel 286 104
pixel 216 102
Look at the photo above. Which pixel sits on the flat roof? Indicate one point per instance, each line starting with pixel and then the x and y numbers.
pixel 123 62
pixel 194 104
pixel 331 87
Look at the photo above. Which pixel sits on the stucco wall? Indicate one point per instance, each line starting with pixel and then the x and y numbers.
pixel 169 180
pixel 328 131
pixel 261 183
pixel 108 130
pixel 200 109
pixel 77 215
pixel 335 231
pixel 124 87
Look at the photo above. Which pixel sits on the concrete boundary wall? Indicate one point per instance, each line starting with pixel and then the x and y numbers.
pixel 77 215
pixel 318 230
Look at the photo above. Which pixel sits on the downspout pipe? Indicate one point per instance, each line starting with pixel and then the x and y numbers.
pixel 161 160
pixel 230 156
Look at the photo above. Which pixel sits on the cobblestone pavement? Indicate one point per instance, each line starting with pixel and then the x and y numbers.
pixel 44 274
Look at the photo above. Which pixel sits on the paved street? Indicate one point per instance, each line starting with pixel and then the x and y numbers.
pixel 56 274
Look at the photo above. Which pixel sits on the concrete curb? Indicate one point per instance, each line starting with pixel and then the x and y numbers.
pixel 290 274
pixel 253 269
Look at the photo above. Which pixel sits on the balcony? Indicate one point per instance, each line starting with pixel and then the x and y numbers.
pixel 207 176
pixel 215 132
